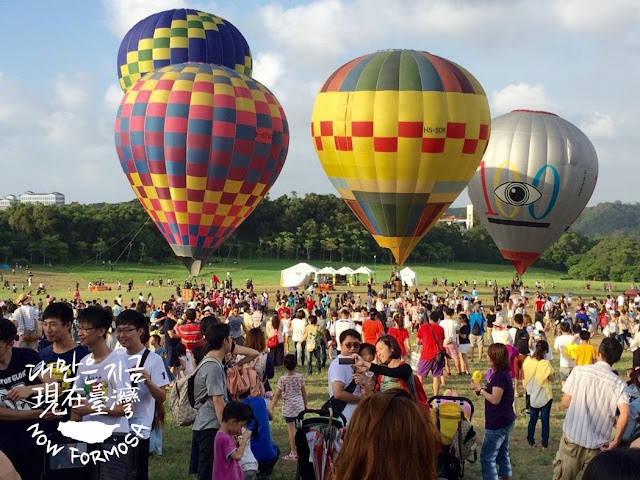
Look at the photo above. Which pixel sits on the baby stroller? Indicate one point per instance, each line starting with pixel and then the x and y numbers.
pixel 452 416
pixel 318 441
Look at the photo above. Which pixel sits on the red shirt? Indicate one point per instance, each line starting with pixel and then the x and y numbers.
pixel 429 347
pixel 191 336
pixel 539 305
pixel 400 334
pixel 282 311
pixel 371 331
pixel 310 304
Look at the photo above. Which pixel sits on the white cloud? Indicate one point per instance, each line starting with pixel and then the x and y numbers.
pixel 522 96
pixel 268 68
pixel 71 91
pixel 599 126
pixel 112 97
pixel 124 14
pixel 596 16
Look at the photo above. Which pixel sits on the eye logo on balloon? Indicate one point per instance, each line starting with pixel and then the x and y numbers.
pixel 517 193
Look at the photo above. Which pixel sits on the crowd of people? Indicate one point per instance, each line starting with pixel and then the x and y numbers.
pixel 229 343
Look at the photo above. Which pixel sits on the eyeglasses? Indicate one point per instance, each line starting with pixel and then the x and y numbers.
pixel 86 329
pixel 120 331
pixel 350 345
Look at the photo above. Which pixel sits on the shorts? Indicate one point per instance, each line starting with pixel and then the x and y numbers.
pixel 452 349
pixel 426 366
pixel 464 348
pixel 564 373
pixel 289 419
pixel 476 341
pixel 518 362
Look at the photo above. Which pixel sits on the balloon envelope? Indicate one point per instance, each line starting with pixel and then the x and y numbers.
pixel 178 36
pixel 201 146
pixel 399 133
pixel 535 179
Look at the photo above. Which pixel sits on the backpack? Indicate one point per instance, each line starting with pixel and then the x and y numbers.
pixel 464 442
pixel 238 382
pixel 522 341
pixel 416 389
pixel 475 330
pixel 182 400
pixel 311 341
pixel 30 335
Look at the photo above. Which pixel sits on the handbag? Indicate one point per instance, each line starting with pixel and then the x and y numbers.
pixel 442 354
pixel 272 342
pixel 338 405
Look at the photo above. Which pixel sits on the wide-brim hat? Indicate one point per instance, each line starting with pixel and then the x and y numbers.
pixel 22 298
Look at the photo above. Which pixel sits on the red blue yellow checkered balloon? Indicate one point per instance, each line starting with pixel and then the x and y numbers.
pixel 201 146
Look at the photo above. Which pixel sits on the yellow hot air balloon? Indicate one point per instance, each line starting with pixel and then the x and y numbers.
pixel 400 133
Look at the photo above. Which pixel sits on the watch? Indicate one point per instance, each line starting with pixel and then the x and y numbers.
pixel 480 391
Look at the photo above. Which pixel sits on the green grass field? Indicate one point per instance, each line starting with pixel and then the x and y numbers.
pixel 527 463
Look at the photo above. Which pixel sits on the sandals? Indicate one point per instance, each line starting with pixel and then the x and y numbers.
pixel 290 456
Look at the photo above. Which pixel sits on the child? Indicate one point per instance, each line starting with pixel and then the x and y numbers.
pixel 227 451
pixel 366 380
pixel 585 353
pixel 187 362
pixel 294 400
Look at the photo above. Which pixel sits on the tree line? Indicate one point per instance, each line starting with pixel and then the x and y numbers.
pixel 312 227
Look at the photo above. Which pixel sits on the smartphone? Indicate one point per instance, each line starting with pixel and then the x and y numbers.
pixel 346 361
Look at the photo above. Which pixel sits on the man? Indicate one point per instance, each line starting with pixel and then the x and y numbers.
pixel 520 340
pixel 340 376
pixel 476 338
pixel 342 324
pixel 565 338
pixel 25 318
pixel 190 334
pixel 298 331
pixel 372 328
pixel 451 327
pixel 592 394
pixel 171 339
pixel 431 337
pixel 582 318
pixel 130 327
pixel 16 413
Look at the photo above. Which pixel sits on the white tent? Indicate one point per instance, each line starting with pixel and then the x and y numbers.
pixel 325 274
pixel 344 271
pixel 409 277
pixel 364 270
pixel 298 276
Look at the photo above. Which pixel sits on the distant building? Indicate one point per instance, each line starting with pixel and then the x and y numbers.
pixel 470 223
pixel 463 223
pixel 53 198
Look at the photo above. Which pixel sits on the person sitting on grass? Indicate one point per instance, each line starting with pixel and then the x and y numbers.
pixel 294 400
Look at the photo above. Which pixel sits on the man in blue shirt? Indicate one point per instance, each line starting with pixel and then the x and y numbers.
pixel 476 338
pixel 582 318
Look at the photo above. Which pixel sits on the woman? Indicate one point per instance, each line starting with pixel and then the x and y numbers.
pixel 286 331
pixel 623 328
pixel 538 377
pixel 264 363
pixel 401 334
pixel 311 341
pixel 499 415
pixel 392 372
pixel 400 433
pixel 464 344
pixel 275 334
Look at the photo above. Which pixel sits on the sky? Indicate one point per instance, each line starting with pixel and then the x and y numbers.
pixel 59 89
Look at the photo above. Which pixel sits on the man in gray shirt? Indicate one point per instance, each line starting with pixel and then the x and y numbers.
pixel 210 392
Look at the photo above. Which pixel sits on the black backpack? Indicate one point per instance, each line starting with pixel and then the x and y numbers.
pixel 522 341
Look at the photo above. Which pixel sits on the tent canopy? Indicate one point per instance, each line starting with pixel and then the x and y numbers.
pixel 298 275
pixel 364 270
pixel 326 271
pixel 409 277
pixel 344 271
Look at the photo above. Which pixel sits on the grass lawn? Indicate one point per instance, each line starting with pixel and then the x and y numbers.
pixel 527 463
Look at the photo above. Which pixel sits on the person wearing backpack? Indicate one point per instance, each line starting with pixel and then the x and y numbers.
pixel 210 392
pixel 476 324
pixel 538 377
pixel 521 338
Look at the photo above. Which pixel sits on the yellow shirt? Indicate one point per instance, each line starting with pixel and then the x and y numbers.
pixel 584 354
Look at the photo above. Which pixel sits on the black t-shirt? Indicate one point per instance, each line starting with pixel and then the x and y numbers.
pixel 62 376
pixel 491 317
pixel 171 343
pixel 13 434
pixel 464 330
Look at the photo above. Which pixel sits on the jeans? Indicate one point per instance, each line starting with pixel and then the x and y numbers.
pixel 495 453
pixel 622 338
pixel 543 413
pixel 316 354
pixel 299 348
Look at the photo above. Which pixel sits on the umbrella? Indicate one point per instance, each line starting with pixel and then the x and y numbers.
pixel 632 292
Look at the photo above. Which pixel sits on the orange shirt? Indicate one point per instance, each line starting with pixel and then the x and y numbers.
pixel 371 331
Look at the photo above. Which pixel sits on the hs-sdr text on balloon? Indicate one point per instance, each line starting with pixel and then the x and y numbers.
pixel 434 129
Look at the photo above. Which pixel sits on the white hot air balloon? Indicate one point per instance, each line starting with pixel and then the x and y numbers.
pixel 536 177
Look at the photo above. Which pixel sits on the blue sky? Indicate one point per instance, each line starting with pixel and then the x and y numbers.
pixel 59 90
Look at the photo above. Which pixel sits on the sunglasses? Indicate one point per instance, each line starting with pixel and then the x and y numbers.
pixel 352 345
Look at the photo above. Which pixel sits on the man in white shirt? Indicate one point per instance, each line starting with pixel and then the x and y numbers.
pixel 130 326
pixel 342 324
pixel 566 338
pixel 451 327
pixel 592 394
pixel 298 326
pixel 340 376
pixel 25 318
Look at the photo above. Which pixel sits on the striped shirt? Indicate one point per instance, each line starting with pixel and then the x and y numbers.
pixel 25 318
pixel 595 393
pixel 190 334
